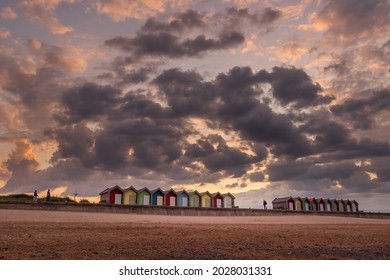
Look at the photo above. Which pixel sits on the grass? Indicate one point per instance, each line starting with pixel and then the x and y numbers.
pixel 28 197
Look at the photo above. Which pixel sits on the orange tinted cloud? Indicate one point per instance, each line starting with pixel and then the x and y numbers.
pixel 45 12
pixel 4 33
pixel 120 10
pixel 7 13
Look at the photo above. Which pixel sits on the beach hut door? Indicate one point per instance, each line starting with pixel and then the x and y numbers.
pixel 132 199
pixel 228 202
pixel 160 200
pixel 118 198
pixel 146 200
pixel 306 206
pixel 291 205
pixel 196 202
pixel 172 201
pixel 321 207
pixel 219 203
pixel 184 201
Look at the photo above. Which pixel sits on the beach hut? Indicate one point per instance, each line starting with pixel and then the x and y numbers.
pixel 305 204
pixel 217 200
pixel 341 205
pixel 320 204
pixel 355 206
pixel 195 199
pixel 112 195
pixel 143 197
pixel 170 198
pixel 157 197
pixel 205 199
pixel 348 206
pixel 297 203
pixel 130 196
pixel 228 200
pixel 183 199
pixel 283 203
pixel 313 204
pixel 335 205
pixel 328 204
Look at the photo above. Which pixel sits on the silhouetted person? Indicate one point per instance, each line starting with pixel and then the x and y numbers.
pixel 35 197
pixel 265 204
pixel 48 195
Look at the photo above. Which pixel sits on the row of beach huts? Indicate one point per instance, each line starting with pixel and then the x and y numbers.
pixel 315 204
pixel 159 197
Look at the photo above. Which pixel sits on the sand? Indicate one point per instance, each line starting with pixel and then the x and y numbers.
pixel 75 235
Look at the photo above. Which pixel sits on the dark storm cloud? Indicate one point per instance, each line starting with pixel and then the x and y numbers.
pixel 310 170
pixel 294 86
pixel 180 22
pixel 362 111
pixel 222 157
pixel 234 16
pixel 74 141
pixel 256 177
pixel 186 93
pixel 232 102
pixel 89 101
pixel 172 46
pixel 174 38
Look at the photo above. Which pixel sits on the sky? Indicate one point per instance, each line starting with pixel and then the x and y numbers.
pixel 262 99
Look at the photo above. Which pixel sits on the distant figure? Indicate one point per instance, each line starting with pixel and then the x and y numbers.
pixel 48 195
pixel 265 204
pixel 35 197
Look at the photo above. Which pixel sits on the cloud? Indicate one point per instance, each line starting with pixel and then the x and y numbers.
pixel 348 20
pixel 362 112
pixel 88 102
pixel 120 10
pixel 235 17
pixel 20 165
pixel 221 158
pixel 44 12
pixel 7 13
pixel 167 45
pixel 178 22
pixel 4 33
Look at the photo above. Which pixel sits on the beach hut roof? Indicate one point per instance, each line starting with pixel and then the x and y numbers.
pixel 144 189
pixel 228 194
pixel 157 190
pixel 110 189
pixel 194 192
pixel 215 194
pixel 130 188
pixel 183 191
pixel 205 193
pixel 281 199
pixel 170 190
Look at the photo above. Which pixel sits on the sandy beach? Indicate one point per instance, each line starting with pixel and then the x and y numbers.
pixel 76 235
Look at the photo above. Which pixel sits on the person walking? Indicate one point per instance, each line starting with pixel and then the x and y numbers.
pixel 48 195
pixel 265 204
pixel 35 196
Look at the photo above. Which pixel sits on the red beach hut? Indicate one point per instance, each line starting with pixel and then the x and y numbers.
pixel 170 198
pixel 217 200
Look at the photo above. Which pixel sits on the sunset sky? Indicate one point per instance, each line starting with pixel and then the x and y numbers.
pixel 262 99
